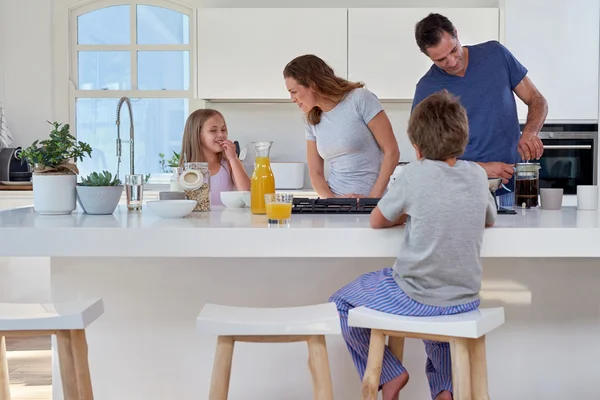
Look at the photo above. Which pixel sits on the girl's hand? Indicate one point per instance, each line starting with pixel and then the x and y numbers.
pixel 229 148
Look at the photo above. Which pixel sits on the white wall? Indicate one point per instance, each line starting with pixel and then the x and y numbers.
pixel 26 61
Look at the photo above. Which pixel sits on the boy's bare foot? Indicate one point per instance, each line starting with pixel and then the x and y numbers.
pixel 444 395
pixel 390 390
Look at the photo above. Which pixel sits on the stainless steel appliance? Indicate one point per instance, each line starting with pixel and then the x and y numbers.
pixel 11 167
pixel 570 156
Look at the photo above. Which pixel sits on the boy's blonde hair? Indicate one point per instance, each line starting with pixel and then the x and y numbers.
pixel 439 127
pixel 191 144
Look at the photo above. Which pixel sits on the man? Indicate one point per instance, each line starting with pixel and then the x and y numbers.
pixel 484 77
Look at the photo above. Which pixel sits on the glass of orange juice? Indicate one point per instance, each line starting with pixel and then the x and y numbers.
pixel 279 209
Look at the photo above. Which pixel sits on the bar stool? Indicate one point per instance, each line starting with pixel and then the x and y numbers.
pixel 465 333
pixel 65 320
pixel 270 325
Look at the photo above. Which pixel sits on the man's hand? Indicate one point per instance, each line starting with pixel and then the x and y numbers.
pixel 530 146
pixel 498 170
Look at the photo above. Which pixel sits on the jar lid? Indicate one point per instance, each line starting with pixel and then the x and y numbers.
pixel 527 167
pixel 191 179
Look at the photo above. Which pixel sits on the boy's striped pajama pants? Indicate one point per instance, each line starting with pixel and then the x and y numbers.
pixel 379 291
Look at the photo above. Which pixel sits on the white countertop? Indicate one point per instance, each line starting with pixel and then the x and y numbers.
pixel 238 233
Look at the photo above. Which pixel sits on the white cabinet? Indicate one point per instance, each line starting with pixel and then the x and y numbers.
pixel 383 53
pixel 242 52
pixel 557 41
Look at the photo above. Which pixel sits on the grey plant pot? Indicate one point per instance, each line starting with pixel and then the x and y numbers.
pixel 100 200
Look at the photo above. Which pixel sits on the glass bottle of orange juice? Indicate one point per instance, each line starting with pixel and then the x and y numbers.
pixel 263 181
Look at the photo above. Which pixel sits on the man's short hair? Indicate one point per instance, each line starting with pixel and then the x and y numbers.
pixel 429 31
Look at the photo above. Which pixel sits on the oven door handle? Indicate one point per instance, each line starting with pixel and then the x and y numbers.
pixel 569 147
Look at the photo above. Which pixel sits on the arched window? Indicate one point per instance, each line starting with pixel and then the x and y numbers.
pixel 142 50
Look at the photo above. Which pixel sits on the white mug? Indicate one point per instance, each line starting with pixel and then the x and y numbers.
pixel 587 197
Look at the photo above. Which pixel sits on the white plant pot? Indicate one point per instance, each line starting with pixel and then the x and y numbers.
pixel 288 175
pixel 54 194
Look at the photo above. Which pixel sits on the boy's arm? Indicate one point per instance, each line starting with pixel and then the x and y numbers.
pixel 490 212
pixel 390 210
pixel 378 221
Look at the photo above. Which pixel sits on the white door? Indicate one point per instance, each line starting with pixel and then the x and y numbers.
pixel 242 52
pixel 383 53
pixel 557 41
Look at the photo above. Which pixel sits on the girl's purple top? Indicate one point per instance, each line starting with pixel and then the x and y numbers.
pixel 220 182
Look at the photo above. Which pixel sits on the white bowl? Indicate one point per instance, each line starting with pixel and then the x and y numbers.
pixel 233 199
pixel 246 197
pixel 171 208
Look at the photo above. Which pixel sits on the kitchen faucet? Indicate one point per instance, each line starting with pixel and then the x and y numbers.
pixel 131 135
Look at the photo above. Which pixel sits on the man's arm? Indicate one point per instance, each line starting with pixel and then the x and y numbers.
pixel 530 145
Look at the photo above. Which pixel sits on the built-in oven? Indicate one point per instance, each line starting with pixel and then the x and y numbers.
pixel 570 156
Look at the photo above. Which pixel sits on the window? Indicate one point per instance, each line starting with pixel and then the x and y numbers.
pixel 142 50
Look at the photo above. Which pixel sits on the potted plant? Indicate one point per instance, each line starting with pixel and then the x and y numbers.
pixel 167 166
pixel 99 193
pixel 54 170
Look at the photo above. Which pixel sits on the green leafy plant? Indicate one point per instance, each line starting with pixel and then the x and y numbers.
pixel 104 178
pixel 56 154
pixel 173 162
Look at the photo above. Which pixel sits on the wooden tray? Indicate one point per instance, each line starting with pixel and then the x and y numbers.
pixel 16 187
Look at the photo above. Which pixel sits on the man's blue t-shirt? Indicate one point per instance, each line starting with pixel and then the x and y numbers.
pixel 486 92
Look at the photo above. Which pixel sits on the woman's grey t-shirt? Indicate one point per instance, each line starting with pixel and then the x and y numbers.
pixel 346 142
pixel 448 207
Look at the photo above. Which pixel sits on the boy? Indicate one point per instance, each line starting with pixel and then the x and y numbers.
pixel 446 205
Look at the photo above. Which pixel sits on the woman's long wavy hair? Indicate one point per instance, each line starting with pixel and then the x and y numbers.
pixel 191 144
pixel 314 73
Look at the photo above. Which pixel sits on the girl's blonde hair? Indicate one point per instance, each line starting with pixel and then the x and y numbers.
pixel 191 144
pixel 314 73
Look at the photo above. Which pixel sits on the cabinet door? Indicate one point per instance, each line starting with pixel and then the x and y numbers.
pixel 557 41
pixel 242 52
pixel 383 52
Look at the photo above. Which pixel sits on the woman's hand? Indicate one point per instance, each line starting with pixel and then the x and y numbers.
pixel 352 196
pixel 229 148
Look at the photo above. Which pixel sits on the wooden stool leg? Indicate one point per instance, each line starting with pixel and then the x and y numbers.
pixel 319 368
pixel 370 383
pixel 74 368
pixel 461 369
pixel 479 382
pixel 396 345
pixel 4 379
pixel 219 385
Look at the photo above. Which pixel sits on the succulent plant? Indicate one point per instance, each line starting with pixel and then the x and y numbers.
pixel 104 178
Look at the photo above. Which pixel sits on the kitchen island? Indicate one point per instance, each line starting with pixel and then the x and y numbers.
pixel 154 276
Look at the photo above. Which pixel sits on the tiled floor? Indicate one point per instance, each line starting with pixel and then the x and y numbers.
pixel 30 367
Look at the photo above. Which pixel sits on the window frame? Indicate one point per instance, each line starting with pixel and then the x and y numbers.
pixel 66 48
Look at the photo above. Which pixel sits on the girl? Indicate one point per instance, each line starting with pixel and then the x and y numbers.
pixel 205 140
pixel 347 126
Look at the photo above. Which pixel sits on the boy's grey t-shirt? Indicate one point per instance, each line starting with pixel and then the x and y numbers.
pixel 448 208
pixel 346 142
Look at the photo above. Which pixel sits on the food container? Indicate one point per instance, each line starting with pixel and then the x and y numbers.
pixel 288 175
pixel 195 183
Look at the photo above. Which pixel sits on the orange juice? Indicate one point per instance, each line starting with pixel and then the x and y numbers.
pixel 279 210
pixel 262 182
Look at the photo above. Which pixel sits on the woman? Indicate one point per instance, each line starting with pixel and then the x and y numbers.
pixel 346 126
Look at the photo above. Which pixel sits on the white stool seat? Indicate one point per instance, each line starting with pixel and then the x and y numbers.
pixel 319 319
pixel 473 325
pixel 51 316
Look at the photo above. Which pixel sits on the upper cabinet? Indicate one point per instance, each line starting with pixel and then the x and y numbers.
pixel 558 42
pixel 242 52
pixel 383 53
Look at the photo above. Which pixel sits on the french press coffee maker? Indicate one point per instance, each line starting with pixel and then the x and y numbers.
pixel 527 184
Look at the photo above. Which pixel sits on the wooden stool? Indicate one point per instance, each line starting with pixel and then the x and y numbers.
pixel 465 333
pixel 270 325
pixel 65 320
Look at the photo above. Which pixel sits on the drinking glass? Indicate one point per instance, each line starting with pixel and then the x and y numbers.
pixel 279 209
pixel 134 187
